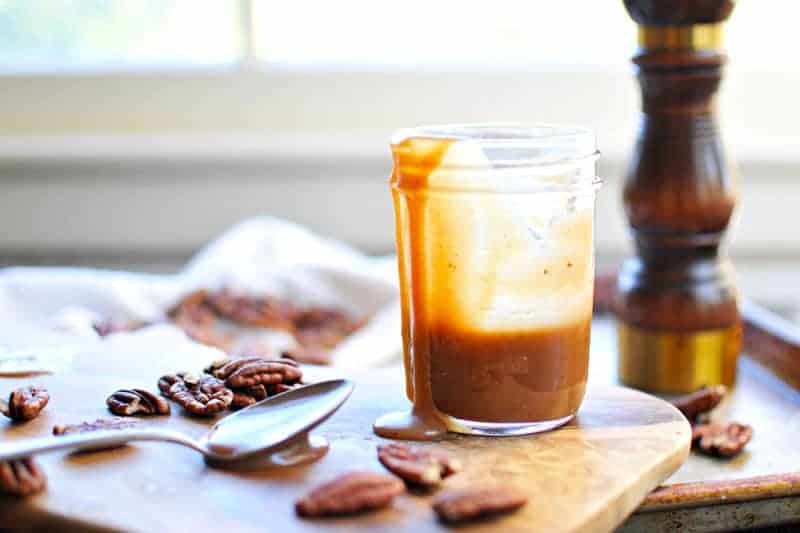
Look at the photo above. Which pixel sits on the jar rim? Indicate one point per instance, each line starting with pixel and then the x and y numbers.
pixel 514 143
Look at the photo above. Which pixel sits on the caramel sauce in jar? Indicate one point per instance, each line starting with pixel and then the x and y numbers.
pixel 496 288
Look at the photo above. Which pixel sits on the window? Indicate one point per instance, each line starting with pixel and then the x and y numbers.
pixel 110 35
pixel 443 33
pixel 57 35
pixel 44 36
pixel 154 93
pixel 199 66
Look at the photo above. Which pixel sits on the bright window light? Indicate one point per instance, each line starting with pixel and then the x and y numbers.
pixel 78 35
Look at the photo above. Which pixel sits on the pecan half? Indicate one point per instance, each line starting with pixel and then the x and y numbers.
pixel 21 478
pixel 97 425
pixel 349 494
pixel 249 371
pixel 248 396
pixel 127 402
pixel 458 505
pixel 700 402
pixel 418 466
pixel 166 382
pixel 25 403
pixel 721 440
pixel 204 396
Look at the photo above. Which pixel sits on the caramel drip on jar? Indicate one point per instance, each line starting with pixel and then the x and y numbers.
pixel 414 161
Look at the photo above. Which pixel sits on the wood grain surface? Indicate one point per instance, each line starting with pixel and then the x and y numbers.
pixel 585 477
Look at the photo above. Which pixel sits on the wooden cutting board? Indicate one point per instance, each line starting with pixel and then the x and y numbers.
pixel 586 477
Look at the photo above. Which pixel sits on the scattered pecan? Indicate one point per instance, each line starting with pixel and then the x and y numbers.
pixel 25 403
pixel 350 493
pixel 108 327
pixel 264 312
pixel 721 440
pixel 22 477
pixel 127 402
pixel 700 402
pixel 204 395
pixel 458 505
pixel 97 425
pixel 248 396
pixel 249 371
pixel 418 466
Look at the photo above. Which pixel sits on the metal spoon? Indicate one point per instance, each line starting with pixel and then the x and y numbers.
pixel 273 432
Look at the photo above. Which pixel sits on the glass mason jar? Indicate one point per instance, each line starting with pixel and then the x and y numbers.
pixel 495 246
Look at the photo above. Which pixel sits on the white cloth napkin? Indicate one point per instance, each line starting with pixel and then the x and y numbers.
pixel 46 314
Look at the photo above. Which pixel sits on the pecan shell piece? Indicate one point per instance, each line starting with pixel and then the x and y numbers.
pixel 351 493
pixel 249 371
pixel 459 505
pixel 721 440
pixel 100 424
pixel 25 403
pixel 700 402
pixel 22 477
pixel 202 396
pixel 425 467
pixel 97 425
pixel 127 402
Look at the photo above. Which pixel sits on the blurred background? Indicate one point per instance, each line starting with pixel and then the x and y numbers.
pixel 133 131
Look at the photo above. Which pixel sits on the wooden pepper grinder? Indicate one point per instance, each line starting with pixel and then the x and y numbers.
pixel 679 325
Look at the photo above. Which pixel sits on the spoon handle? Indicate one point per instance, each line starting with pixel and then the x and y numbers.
pixel 95 440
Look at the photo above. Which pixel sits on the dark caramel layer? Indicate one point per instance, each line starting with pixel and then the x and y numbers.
pixel 523 376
